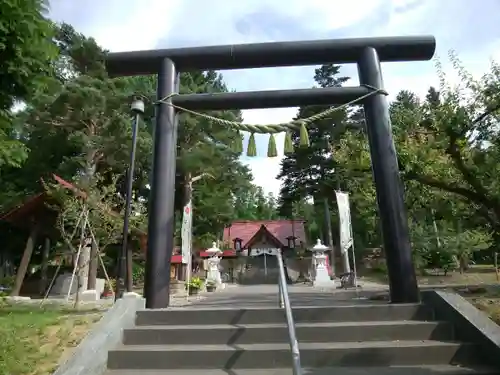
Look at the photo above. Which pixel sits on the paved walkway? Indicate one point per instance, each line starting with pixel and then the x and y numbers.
pixel 266 295
pixel 300 295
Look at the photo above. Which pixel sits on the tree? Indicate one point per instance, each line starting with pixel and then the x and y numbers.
pixel 310 170
pixel 447 146
pixel 78 126
pixel 453 141
pixel 27 51
pixel 252 204
pixel 104 206
pixel 304 210
pixel 79 123
pixel 52 144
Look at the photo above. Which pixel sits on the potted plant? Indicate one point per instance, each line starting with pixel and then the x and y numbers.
pixel 109 288
pixel 194 285
pixel 211 286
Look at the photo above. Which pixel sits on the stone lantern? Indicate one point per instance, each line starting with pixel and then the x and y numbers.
pixel 214 266
pixel 321 276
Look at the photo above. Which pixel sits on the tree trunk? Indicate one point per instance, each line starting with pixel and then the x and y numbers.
pixel 91 282
pixel 83 266
pixel 25 261
pixel 45 265
pixel 464 263
pixel 329 236
pixel 130 267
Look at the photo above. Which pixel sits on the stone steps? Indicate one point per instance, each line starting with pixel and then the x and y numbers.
pixel 236 334
pixel 242 341
pixel 315 355
pixel 390 370
pixel 301 314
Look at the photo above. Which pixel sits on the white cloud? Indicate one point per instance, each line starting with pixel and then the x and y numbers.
pixel 120 25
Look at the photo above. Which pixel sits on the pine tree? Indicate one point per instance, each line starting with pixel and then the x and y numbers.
pixel 310 171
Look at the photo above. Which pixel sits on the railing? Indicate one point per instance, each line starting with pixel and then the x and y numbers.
pixel 285 303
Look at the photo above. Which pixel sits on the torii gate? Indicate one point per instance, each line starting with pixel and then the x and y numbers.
pixel 367 53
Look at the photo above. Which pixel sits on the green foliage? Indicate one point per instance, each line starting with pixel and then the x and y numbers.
pixel 311 174
pixel 26 49
pixel 110 285
pixel 309 171
pixel 441 259
pixel 252 204
pixel 7 282
pixel 449 154
pixel 78 54
pixel 104 207
pixel 138 273
pixel 78 126
pixel 195 283
pixel 27 52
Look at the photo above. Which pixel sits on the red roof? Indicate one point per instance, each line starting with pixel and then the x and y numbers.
pixel 36 202
pixel 176 259
pixel 281 229
pixel 25 209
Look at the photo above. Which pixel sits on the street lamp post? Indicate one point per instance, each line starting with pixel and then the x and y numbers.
pixel 125 258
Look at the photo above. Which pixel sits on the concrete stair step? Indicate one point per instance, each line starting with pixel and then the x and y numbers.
pixel 392 370
pixel 220 334
pixel 302 314
pixel 313 355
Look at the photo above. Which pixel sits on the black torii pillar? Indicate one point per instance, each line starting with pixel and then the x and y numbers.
pixel 366 52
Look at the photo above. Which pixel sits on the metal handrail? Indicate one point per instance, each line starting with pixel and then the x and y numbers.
pixel 285 303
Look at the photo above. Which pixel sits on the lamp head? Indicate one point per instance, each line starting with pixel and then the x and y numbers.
pixel 137 106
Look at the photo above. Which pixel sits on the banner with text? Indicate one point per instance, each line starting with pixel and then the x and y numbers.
pixel 346 239
pixel 186 232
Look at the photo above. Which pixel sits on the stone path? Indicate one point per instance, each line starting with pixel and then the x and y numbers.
pixel 300 295
pixel 250 295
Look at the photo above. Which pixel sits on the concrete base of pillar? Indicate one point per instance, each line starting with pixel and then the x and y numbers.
pixel 63 281
pixel 131 295
pixel 89 295
pixel 18 298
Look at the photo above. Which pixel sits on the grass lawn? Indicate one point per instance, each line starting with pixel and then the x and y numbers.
pixel 34 340
pixel 476 274
pixel 490 305
pixel 484 298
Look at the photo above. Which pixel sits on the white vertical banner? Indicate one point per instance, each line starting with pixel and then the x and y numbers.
pixel 346 239
pixel 186 232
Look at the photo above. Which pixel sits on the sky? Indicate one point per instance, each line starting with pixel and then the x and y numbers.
pixel 469 28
